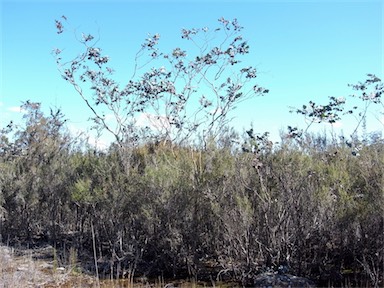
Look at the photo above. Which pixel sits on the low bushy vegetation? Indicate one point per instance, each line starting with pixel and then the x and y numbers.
pixel 221 211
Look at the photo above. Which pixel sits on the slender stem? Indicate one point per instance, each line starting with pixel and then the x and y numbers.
pixel 94 254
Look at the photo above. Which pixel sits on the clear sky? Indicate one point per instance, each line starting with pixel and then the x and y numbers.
pixel 303 49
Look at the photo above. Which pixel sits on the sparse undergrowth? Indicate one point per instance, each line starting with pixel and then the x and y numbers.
pixel 37 268
pixel 26 268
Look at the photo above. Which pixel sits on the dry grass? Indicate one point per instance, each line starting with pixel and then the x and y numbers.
pixel 35 268
pixel 22 269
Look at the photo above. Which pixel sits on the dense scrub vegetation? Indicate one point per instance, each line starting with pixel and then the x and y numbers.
pixel 224 211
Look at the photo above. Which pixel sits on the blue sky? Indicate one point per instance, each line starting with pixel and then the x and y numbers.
pixel 303 50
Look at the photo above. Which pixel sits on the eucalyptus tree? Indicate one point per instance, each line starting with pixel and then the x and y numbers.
pixel 369 91
pixel 184 93
pixel 186 96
